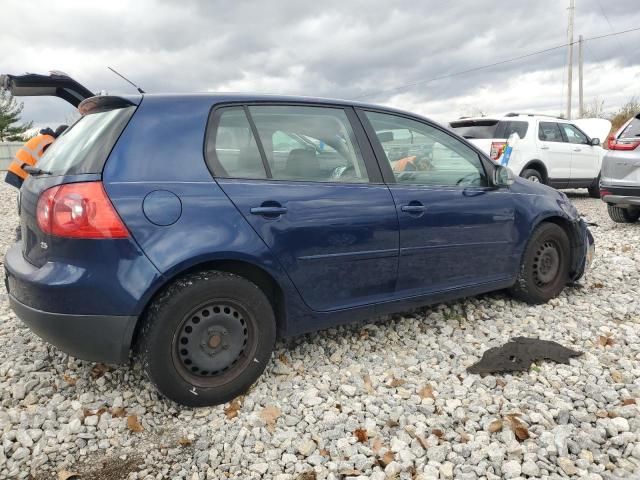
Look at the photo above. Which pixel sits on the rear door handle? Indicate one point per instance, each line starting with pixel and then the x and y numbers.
pixel 544 147
pixel 268 211
pixel 413 208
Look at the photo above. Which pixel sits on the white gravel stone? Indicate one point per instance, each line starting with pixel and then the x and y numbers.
pixel 511 469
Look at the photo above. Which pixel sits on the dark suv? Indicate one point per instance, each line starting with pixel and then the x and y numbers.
pixel 192 230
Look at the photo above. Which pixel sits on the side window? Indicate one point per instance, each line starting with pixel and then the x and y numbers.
pixel 232 150
pixel 549 132
pixel 574 135
pixel 421 154
pixel 309 143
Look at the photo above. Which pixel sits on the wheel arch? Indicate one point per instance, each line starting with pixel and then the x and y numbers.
pixel 241 267
pixel 538 165
pixel 572 232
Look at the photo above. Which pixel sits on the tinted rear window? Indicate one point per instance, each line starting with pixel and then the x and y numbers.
pixel 85 146
pixel 490 128
pixel 632 130
pixel 475 128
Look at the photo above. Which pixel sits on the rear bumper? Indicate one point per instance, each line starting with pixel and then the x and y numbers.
pixel 620 195
pixel 99 338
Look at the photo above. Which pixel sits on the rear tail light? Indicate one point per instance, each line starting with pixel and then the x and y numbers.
pixel 79 210
pixel 496 149
pixel 622 144
pixel 604 193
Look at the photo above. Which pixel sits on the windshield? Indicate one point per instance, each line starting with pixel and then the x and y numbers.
pixel 85 146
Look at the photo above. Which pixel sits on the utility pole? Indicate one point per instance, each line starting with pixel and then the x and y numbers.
pixel 572 8
pixel 580 93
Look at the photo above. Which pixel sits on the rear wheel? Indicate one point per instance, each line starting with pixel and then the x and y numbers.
pixel 207 338
pixel 532 175
pixel 544 271
pixel 623 215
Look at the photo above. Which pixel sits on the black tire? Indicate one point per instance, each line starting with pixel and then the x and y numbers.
pixel 207 338
pixel 594 190
pixel 623 215
pixel 533 175
pixel 544 271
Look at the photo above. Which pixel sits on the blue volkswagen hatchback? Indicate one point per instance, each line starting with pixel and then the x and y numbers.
pixel 192 230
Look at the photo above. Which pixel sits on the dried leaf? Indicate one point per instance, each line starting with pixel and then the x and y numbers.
pixel 464 437
pixel 626 247
pixel 368 385
pixel 308 475
pixel 350 472
pixel 423 441
pixel 495 426
pixel 324 452
pixel 66 475
pixel 361 434
pixel 118 412
pixel 598 285
pixel 364 333
pixel 338 407
pixel 184 442
pixel 98 370
pixel 501 383
pixel 629 401
pixel 396 382
pixel 231 410
pixel 392 423
pixel 270 414
pixel 69 379
pixel 133 424
pixel 518 427
pixel 386 459
pixel 283 358
pixel 426 392
pixel 521 432
pixel 602 414
pixel 605 341
pixel 376 445
pixel 437 432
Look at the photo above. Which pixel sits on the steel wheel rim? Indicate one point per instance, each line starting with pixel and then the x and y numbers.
pixel 534 179
pixel 213 343
pixel 546 263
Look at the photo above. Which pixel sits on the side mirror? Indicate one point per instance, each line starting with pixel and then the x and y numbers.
pixel 594 142
pixel 503 176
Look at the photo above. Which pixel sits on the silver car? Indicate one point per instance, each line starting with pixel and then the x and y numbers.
pixel 620 175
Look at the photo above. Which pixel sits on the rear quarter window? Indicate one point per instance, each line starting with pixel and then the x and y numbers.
pixel 85 146
pixel 632 130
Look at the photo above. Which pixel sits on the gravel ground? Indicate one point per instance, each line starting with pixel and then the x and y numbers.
pixel 389 399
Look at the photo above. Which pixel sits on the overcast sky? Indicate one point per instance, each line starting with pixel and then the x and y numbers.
pixel 358 49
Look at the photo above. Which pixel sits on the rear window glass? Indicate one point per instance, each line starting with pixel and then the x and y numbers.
pixel 632 130
pixel 484 129
pixel 85 146
pixel 475 128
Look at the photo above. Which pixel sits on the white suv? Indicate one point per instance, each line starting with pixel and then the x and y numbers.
pixel 550 150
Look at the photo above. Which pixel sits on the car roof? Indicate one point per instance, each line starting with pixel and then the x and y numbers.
pixel 511 117
pixel 224 97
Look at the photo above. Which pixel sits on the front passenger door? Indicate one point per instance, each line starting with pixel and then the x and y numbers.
pixel 584 157
pixel 455 230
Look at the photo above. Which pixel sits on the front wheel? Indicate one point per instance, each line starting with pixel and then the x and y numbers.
pixel 544 270
pixel 207 338
pixel 532 175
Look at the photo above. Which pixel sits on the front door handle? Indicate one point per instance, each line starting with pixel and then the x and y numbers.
pixel 413 208
pixel 577 149
pixel 269 211
pixel 544 147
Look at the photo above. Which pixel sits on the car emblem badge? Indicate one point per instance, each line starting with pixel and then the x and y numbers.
pixel 43 245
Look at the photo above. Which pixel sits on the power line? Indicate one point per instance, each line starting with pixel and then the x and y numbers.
pixel 604 14
pixel 484 67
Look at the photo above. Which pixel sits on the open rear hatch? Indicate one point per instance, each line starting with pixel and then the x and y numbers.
pixel 56 84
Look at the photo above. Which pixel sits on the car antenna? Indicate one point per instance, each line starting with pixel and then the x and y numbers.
pixel 142 92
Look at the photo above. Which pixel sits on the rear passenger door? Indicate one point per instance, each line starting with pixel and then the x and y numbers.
pixel 312 191
pixel 555 152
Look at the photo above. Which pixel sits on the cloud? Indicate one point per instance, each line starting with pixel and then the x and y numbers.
pixel 330 49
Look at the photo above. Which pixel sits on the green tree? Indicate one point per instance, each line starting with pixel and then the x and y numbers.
pixel 10 110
